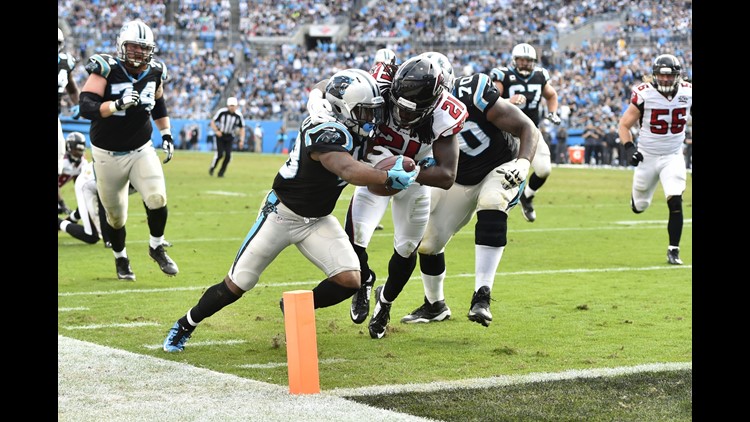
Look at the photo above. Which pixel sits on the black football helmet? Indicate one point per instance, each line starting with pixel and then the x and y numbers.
pixel 666 71
pixel 75 145
pixel 416 90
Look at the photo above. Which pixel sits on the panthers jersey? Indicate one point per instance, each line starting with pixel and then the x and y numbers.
pixel 71 169
pixel 65 65
pixel 531 87
pixel 305 185
pixel 447 119
pixel 482 146
pixel 126 130
pixel 663 120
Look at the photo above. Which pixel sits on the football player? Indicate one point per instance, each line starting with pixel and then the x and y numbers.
pixel 525 84
pixel 495 149
pixel 662 105
pixel 121 95
pixel 84 223
pixel 65 83
pixel 422 122
pixel 297 210
pixel 72 163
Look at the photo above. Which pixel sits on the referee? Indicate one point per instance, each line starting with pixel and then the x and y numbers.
pixel 223 123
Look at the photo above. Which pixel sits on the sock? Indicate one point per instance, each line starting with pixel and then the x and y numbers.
pixel 122 254
pixel 63 224
pixel 327 293
pixel 486 261
pixel 433 287
pixel 154 241
pixel 528 192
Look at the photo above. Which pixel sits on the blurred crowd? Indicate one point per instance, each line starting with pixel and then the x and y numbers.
pixel 592 79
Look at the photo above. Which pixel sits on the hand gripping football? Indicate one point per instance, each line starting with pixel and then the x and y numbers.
pixel 386 164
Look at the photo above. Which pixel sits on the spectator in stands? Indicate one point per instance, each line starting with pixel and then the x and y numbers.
pixel 592 138
pixel 258 138
pixel 609 143
pixel 561 152
pixel 280 139
pixel 226 122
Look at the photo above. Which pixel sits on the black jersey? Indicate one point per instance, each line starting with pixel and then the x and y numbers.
pixel 531 87
pixel 65 65
pixel 129 129
pixel 482 146
pixel 305 185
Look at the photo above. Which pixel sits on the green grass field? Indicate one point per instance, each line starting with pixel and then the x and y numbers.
pixel 586 286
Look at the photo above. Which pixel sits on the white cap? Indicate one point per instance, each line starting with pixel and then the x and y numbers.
pixel 231 101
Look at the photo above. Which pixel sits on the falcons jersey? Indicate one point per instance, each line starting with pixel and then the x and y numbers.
pixel 65 65
pixel 447 120
pixel 129 129
pixel 530 87
pixel 305 185
pixel 663 119
pixel 482 146
pixel 71 169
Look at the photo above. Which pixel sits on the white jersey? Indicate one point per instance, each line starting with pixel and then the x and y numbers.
pixel 70 170
pixel 663 120
pixel 87 198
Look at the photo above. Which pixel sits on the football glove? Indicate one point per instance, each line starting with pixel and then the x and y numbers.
pixel 634 156
pixel 398 178
pixel 426 163
pixel 378 153
pixel 75 110
pixel 168 146
pixel 319 108
pixel 513 172
pixel 127 101
pixel 554 118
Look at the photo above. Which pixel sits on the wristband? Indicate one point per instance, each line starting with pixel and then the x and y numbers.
pixel 112 107
pixel 166 131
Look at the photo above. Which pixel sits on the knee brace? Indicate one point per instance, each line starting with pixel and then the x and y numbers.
pixel 491 228
pixel 675 204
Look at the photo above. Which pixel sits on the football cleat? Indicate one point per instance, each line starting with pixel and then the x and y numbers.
pixel 176 338
pixel 380 316
pixel 428 312
pixel 166 264
pixel 673 256
pixel 480 307
pixel 527 208
pixel 361 300
pixel 123 269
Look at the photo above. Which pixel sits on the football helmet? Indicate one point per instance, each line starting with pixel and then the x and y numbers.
pixel 60 40
pixel 666 70
pixel 415 92
pixel 139 34
pixel 449 78
pixel 523 51
pixel 356 101
pixel 75 145
pixel 385 55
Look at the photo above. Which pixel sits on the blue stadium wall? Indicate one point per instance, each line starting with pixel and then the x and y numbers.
pixel 270 131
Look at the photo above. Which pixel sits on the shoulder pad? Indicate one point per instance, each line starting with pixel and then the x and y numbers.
pixel 329 136
pixel 544 72
pixel 101 64
pixel 497 74
pixel 162 67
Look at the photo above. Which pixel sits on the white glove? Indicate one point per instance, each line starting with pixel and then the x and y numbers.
pixel 319 108
pixel 554 118
pixel 378 153
pixel 128 100
pixel 515 172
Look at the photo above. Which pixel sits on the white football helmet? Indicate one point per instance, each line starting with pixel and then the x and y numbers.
pixel 138 33
pixel 356 101
pixel 385 55
pixel 524 51
pixel 449 78
pixel 60 40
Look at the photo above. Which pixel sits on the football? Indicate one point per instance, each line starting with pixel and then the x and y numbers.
pixel 386 164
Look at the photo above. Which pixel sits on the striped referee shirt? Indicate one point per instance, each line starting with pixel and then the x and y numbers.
pixel 226 121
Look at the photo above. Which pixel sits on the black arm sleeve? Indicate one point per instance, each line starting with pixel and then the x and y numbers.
pixel 160 109
pixel 90 104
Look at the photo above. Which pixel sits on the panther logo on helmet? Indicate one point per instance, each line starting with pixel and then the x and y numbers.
pixel 135 45
pixel 356 101
pixel 416 90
